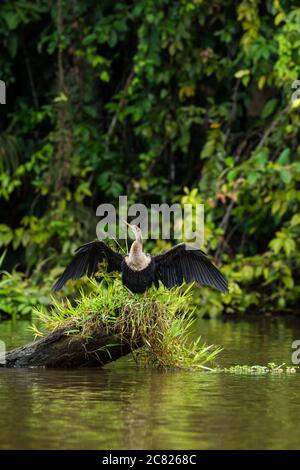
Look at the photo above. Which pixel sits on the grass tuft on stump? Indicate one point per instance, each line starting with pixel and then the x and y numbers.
pixel 156 324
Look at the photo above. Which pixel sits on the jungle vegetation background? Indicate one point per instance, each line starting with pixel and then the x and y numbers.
pixel 162 100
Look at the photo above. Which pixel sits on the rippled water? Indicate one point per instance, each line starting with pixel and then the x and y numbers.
pixel 125 407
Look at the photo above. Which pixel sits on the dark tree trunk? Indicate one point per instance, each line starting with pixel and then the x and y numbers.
pixel 60 349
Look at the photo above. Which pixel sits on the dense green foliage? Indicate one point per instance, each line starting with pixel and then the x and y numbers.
pixel 161 100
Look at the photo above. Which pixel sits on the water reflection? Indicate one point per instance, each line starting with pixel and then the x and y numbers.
pixel 129 408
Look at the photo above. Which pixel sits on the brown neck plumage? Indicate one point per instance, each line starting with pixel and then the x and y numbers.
pixel 136 248
pixel 137 259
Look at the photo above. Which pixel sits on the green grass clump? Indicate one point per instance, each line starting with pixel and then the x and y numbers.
pixel 157 324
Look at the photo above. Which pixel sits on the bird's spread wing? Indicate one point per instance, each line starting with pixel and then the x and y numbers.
pixel 86 261
pixel 180 264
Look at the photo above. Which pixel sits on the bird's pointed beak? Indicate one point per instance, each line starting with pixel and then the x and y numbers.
pixel 130 226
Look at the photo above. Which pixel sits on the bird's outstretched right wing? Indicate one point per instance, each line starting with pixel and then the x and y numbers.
pixel 181 264
pixel 86 261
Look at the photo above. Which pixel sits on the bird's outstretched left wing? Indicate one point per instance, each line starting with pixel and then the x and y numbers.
pixel 180 264
pixel 86 261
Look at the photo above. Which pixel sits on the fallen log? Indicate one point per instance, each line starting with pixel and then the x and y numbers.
pixel 105 326
pixel 62 349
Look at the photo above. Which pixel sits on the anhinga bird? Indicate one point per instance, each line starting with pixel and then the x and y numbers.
pixel 140 270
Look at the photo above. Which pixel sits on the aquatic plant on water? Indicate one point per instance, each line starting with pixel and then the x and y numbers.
pixel 270 368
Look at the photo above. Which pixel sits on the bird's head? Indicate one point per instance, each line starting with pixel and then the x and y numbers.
pixel 136 230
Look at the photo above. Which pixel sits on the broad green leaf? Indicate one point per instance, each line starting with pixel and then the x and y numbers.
pixel 276 244
pixel 261 157
pixel 295 220
pixel 279 18
pixel 252 176
pixel 288 282
pixel 289 246
pixel 242 73
pixel 232 175
pixel 269 108
pixel 284 157
pixel 286 176
pixel 104 76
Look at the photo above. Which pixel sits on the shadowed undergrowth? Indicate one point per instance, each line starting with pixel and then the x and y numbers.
pixel 157 324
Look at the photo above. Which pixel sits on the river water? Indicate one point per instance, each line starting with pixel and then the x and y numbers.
pixel 123 406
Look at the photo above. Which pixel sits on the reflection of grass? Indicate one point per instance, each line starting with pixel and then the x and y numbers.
pixel 259 370
pixel 160 320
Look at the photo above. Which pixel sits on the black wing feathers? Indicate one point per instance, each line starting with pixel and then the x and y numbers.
pixel 180 264
pixel 86 261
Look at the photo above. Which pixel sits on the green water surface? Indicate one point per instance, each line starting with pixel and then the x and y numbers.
pixel 126 407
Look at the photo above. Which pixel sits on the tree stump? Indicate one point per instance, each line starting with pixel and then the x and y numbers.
pixel 61 349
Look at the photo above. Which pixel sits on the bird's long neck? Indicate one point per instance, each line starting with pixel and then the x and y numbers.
pixel 136 248
pixel 137 260
pixel 136 255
